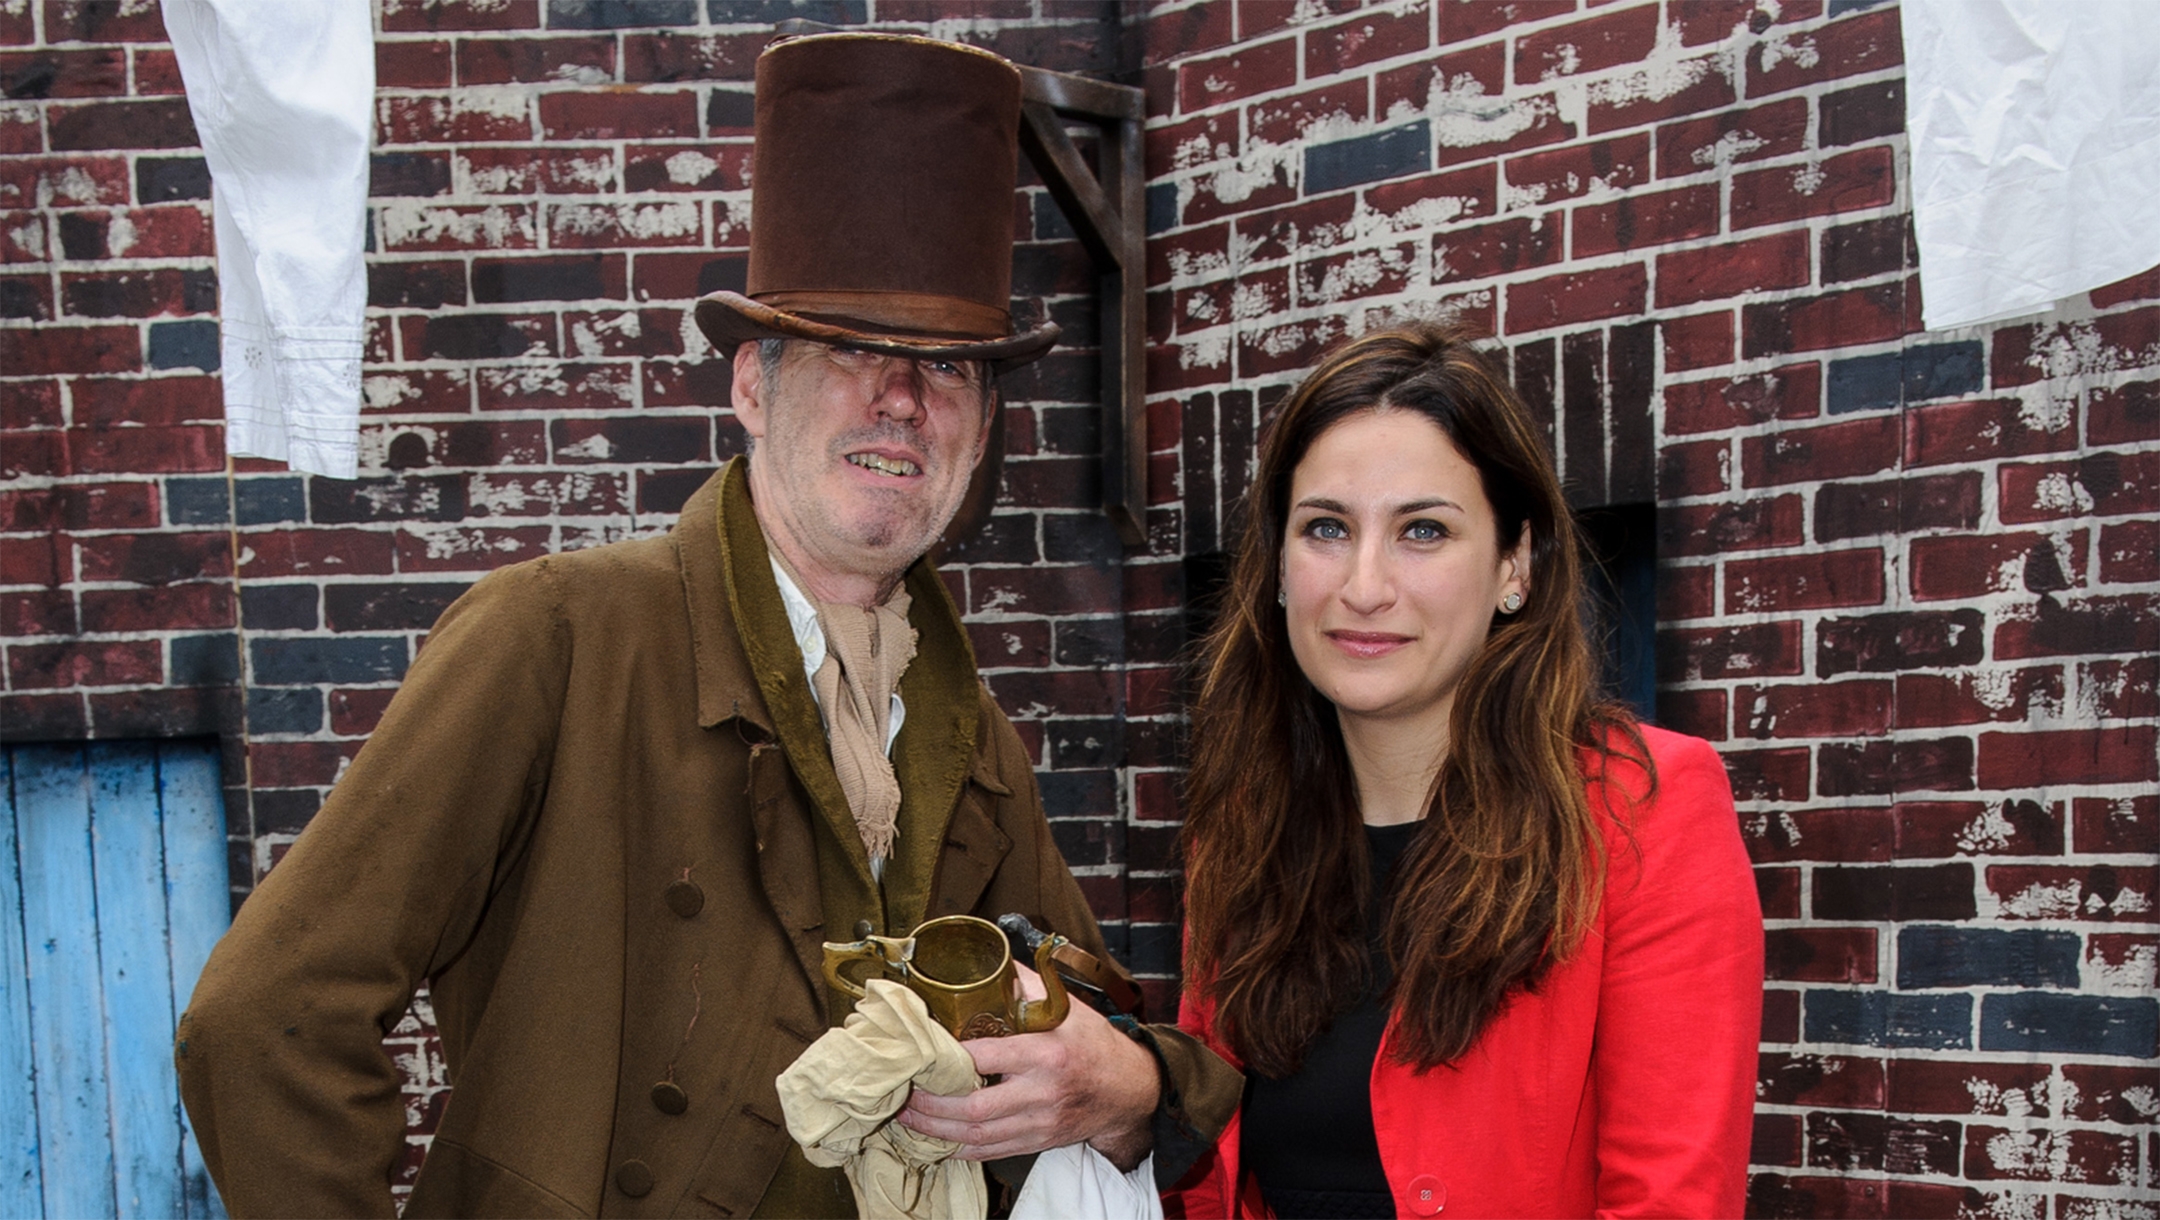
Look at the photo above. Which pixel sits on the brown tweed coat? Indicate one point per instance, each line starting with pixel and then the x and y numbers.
pixel 600 820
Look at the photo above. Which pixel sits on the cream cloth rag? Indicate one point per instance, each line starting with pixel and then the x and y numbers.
pixel 841 1094
pixel 867 649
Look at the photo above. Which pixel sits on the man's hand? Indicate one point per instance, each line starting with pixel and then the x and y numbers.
pixel 1081 1082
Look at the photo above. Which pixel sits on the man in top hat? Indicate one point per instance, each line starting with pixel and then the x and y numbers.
pixel 625 795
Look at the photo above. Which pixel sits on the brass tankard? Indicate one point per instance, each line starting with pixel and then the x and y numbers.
pixel 962 967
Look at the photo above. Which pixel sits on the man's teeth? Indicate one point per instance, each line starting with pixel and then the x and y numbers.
pixel 892 466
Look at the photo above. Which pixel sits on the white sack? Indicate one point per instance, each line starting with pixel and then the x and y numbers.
pixel 1076 1182
pixel 2035 134
pixel 282 92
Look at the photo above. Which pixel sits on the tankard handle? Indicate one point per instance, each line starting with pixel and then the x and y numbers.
pixel 881 951
pixel 1036 1016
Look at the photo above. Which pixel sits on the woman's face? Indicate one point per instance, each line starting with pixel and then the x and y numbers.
pixel 1392 567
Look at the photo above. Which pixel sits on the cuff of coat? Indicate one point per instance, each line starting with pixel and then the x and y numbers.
pixel 1200 1091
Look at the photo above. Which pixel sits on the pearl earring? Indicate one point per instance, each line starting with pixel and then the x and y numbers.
pixel 1511 603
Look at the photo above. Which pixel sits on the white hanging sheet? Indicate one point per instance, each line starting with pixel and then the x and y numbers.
pixel 282 92
pixel 2035 134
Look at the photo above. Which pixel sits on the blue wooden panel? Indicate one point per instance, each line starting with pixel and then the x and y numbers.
pixel 21 1186
pixel 135 967
pixel 198 895
pixel 52 806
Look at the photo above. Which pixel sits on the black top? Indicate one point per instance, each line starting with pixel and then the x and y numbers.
pixel 1309 1137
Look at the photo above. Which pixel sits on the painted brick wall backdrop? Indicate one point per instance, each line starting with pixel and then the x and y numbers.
pixel 1907 581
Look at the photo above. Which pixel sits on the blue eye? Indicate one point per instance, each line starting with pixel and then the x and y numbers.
pixel 1425 531
pixel 1326 528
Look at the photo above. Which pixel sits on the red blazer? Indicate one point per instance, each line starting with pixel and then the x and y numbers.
pixel 1625 1085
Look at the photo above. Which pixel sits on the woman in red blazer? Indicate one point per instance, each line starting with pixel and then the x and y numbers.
pixel 1484 945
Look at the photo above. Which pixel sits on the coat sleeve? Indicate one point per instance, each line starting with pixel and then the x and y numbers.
pixel 1206 1189
pixel 280 1050
pixel 1680 1000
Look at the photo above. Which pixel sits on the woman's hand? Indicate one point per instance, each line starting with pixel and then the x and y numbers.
pixel 1081 1082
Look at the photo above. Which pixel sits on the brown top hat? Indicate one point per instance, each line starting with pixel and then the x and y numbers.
pixel 881 201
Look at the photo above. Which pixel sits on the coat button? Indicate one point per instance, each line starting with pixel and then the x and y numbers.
pixel 668 1098
pixel 684 897
pixel 633 1179
pixel 1427 1195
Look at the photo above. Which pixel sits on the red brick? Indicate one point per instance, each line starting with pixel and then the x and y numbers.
pixel 18 26
pixel 85 663
pixel 429 16
pixel 314 552
pixel 608 225
pixel 2097 892
pixel 2050 628
pixel 1973 565
pixel 1873 314
pixel 1704 340
pixel 1686 592
pixel 29 404
pixel 1869 42
pixel 1280 120
pixel 147 293
pixel 1580 169
pixel 1826 709
pixel 46 559
pixel 21 131
pixel 556 386
pixel 2129 824
pixel 145 450
pixel 1819 955
pixel 355 713
pixel 454 548
pixel 199 606
pixel 1985 428
pixel 1372 35
pixel 2043 1155
pixel 157 72
pixel 1512 126
pixel 1699 469
pixel 579 115
pixel 417 392
pixel 1250 69
pixel 2120 690
pixel 297 764
pixel 433 226
pixel 412 64
pixel 95 72
pixel 104 506
pixel 1844 836
pixel 458 118
pixel 527 59
pixel 1635 101
pixel 1461 20
pixel 1484 252
pixel 70 349
pixel 1715 529
pixel 1153 691
pixel 25 237
pixel 1197 255
pixel 1572 299
pixel 178 230
pixel 2113 1092
pixel 1370 272
pixel 1804 582
pixel 1595 43
pixel 1930 1086
pixel 29 297
pixel 38 612
pixel 1937 700
pixel 1733 269
pixel 2104 484
pixel 1293 345
pixel 1213 198
pixel 1781 1015
pixel 2130 552
pixel 1768 775
pixel 1698 713
pixel 535 171
pixel 1779 891
pixel 38 455
pixel 1635 221
pixel 1712 654
pixel 1841 1081
pixel 1827 451
pixel 2115 755
pixel 1478 71
pixel 2124 413
pixel 641 332
pixel 1942 829
pixel 156 558
pixel 2144 286
pixel 1863 178
pixel 44 182
pixel 2022 355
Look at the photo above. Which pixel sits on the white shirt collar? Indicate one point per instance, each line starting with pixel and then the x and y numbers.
pixel 810 639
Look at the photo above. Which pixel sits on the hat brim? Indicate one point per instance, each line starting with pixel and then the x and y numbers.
pixel 730 319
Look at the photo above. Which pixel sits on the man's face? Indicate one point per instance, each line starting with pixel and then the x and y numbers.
pixel 861 458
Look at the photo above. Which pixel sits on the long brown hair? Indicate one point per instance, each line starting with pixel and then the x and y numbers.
pixel 1502 878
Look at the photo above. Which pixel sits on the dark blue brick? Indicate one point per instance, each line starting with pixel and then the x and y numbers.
pixel 1087 842
pixel 619 14
pixel 272 500
pixel 1883 1018
pixel 1915 374
pixel 203 660
pixel 297 710
pixel 1078 794
pixel 1934 956
pixel 316 659
pixel 766 12
pixel 731 108
pixel 2044 1022
pixel 184 345
pixel 1864 383
pixel 1838 8
pixel 1383 154
pixel 197 502
pixel 1050 221
pixel 171 179
pixel 1156 948
pixel 278 607
pixel 1161 208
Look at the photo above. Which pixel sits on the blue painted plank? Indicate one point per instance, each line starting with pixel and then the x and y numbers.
pixel 52 806
pixel 128 852
pixel 198 896
pixel 21 1186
